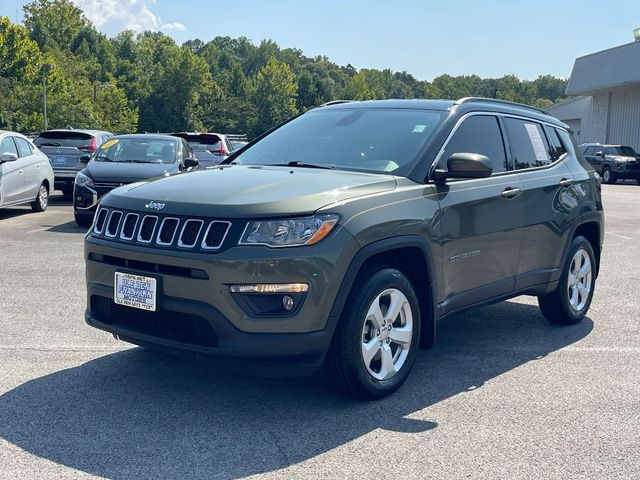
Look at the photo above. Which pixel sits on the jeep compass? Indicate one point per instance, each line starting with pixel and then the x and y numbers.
pixel 339 238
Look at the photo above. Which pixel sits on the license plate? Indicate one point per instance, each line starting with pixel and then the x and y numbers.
pixel 135 291
pixel 58 160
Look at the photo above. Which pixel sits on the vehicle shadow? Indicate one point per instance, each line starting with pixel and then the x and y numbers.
pixel 140 414
pixel 68 227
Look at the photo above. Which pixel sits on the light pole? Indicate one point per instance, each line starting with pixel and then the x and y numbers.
pixel 96 86
pixel 46 68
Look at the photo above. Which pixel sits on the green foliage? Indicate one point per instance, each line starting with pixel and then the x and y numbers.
pixel 146 82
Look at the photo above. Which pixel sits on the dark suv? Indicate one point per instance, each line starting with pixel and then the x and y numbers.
pixel 612 162
pixel 340 237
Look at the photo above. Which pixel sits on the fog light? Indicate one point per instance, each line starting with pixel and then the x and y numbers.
pixel 287 303
pixel 270 288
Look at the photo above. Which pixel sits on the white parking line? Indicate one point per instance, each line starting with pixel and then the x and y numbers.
pixel 624 237
pixel 42 229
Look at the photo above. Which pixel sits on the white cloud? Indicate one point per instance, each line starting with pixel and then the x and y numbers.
pixel 115 15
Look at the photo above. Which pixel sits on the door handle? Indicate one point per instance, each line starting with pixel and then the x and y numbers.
pixel 566 182
pixel 510 192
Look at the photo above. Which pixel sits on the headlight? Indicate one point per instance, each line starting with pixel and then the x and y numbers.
pixel 289 232
pixel 83 181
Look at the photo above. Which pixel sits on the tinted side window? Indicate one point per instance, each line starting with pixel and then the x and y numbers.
pixel 479 134
pixel 590 150
pixel 556 148
pixel 528 144
pixel 24 148
pixel 7 146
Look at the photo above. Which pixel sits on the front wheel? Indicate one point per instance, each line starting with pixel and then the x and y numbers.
pixel 41 202
pixel 570 301
pixel 608 176
pixel 376 340
pixel 82 221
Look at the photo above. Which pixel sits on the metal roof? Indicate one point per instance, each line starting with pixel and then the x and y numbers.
pixel 610 68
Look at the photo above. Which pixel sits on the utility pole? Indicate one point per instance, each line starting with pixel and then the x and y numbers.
pixel 46 68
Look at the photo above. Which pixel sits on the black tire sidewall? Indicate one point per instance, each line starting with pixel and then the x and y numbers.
pixel 355 318
pixel 576 244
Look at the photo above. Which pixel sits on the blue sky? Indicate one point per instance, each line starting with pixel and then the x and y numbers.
pixel 425 38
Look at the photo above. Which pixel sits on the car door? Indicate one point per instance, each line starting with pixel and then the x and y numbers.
pixel 548 195
pixel 480 219
pixel 595 161
pixel 31 165
pixel 12 174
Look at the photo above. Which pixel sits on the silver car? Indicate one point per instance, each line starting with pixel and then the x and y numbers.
pixel 26 175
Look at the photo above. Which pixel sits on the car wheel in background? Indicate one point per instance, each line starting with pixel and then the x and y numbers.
pixel 570 301
pixel 42 199
pixel 608 176
pixel 82 221
pixel 376 340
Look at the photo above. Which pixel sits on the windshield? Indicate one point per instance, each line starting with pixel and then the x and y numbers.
pixel 137 150
pixel 622 151
pixel 379 140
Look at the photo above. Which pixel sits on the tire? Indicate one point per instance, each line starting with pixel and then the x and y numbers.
pixel 396 341
pixel 82 221
pixel 608 176
pixel 569 303
pixel 41 202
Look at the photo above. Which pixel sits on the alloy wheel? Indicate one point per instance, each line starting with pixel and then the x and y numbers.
pixel 579 280
pixel 386 334
pixel 43 197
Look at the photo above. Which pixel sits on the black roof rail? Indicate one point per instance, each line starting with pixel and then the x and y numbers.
pixel 335 102
pixel 498 101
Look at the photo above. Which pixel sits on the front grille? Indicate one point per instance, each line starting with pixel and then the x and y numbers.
pixel 167 324
pixel 114 223
pixel 167 232
pixel 109 185
pixel 129 226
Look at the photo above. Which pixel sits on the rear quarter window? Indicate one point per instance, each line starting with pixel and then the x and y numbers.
pixel 529 146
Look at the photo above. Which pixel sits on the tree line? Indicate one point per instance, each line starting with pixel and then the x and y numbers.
pixel 146 82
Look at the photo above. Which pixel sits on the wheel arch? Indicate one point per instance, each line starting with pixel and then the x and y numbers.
pixel 409 254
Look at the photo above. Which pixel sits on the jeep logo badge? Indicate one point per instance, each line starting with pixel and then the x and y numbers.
pixel 155 205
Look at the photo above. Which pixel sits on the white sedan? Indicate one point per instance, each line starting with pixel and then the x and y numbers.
pixel 26 175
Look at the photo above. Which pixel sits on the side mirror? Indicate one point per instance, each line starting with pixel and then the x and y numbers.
pixel 599 153
pixel 8 157
pixel 466 165
pixel 191 162
pixel 85 158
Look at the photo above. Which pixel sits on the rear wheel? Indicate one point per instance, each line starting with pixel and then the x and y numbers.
pixel 376 340
pixel 570 301
pixel 608 176
pixel 42 199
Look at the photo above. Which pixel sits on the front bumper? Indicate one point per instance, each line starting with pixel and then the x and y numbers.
pixel 626 169
pixel 198 314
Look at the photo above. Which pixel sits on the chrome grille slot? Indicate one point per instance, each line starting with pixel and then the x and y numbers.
pixel 147 228
pixel 113 223
pixel 101 218
pixel 190 233
pixel 215 235
pixel 129 226
pixel 167 231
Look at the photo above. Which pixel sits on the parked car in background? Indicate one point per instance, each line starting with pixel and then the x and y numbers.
pixel 612 162
pixel 237 141
pixel 25 173
pixel 64 147
pixel 125 159
pixel 209 148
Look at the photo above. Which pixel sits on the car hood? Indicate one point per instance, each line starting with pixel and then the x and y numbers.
pixel 127 172
pixel 238 191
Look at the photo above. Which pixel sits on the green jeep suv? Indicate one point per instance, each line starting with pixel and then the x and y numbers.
pixel 339 238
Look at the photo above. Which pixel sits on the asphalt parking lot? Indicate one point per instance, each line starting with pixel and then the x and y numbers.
pixel 502 395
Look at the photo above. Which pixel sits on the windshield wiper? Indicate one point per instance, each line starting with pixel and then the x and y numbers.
pixel 298 163
pixel 104 158
pixel 51 144
pixel 145 161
